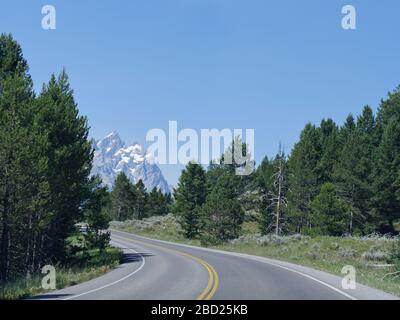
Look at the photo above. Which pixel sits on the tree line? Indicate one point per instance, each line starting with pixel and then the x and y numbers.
pixel 45 164
pixel 345 179
pixel 208 203
pixel 337 180
pixel 132 201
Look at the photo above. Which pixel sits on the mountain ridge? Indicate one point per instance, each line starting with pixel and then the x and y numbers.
pixel 113 156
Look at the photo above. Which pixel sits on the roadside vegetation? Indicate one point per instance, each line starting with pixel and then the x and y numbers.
pixel 93 265
pixel 45 184
pixel 158 227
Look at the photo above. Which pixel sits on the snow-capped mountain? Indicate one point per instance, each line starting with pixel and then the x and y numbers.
pixel 112 156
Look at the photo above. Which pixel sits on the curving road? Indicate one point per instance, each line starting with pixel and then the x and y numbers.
pixel 158 270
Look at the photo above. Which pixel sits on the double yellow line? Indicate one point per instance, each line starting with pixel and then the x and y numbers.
pixel 213 280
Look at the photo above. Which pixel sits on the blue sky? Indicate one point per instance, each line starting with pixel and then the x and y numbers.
pixel 268 65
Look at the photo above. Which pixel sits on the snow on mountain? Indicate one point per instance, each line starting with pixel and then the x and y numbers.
pixel 112 157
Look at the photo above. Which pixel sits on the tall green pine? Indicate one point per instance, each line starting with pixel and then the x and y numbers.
pixel 23 190
pixel 303 178
pixel 222 212
pixel 141 199
pixel 123 198
pixel 69 155
pixel 190 195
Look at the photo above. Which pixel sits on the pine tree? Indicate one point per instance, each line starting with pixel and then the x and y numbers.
pixel 388 110
pixel 123 198
pixel 353 171
pixel 12 62
pixel 190 195
pixel 386 177
pixel 329 212
pixel 385 184
pixel 157 204
pixel 97 214
pixel 69 155
pixel 237 161
pixel 152 203
pixel 23 191
pixel 141 199
pixel 347 129
pixel 330 150
pixel 213 173
pixel 303 178
pixel 222 212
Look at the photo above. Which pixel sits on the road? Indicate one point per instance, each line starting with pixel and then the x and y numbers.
pixel 157 270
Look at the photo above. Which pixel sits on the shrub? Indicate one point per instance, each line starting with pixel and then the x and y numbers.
pixel 315 247
pixel 313 255
pixel 375 255
pixel 334 246
pixel 347 253
pixel 245 239
pixel 145 224
pixel 268 239
pixel 376 237
pixel 395 255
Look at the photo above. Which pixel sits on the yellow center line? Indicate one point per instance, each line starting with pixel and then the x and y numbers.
pixel 213 280
pixel 216 284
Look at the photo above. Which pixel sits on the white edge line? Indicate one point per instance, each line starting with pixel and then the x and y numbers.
pixel 115 282
pixel 250 258
pixel 312 278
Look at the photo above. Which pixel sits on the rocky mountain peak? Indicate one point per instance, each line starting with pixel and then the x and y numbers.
pixel 112 156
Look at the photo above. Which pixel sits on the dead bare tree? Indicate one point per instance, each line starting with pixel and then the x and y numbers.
pixel 277 197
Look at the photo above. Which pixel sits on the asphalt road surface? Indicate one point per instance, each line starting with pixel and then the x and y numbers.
pixel 158 270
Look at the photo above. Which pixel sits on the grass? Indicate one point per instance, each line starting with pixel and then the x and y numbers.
pixel 369 255
pixel 158 227
pixel 97 264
